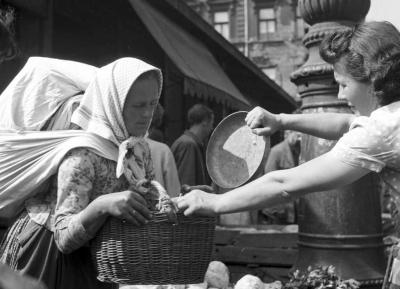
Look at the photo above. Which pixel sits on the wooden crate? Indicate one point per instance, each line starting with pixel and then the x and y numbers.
pixel 268 252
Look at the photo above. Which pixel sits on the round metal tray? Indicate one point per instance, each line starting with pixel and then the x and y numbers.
pixel 234 153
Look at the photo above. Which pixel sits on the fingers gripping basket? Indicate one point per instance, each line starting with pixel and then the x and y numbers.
pixel 158 253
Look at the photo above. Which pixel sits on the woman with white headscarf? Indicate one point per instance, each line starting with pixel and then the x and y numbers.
pixel 91 180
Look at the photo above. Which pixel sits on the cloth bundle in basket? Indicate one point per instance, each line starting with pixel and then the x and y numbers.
pixel 160 252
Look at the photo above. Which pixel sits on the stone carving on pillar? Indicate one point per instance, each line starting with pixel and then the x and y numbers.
pixel 340 227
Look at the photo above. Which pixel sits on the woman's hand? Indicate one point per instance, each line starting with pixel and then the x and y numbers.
pixel 197 202
pixel 127 205
pixel 262 122
pixel 186 188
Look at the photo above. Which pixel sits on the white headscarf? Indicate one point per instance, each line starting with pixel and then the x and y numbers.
pixel 99 115
pixel 101 107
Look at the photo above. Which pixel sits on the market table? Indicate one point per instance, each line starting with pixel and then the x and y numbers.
pixel 268 251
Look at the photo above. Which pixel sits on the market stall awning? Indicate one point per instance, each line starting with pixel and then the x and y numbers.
pixel 203 76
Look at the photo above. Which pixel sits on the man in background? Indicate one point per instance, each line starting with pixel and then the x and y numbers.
pixel 165 170
pixel 284 155
pixel 190 148
pixel 155 132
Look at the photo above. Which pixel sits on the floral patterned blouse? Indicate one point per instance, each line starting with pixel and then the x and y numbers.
pixel 82 177
pixel 374 143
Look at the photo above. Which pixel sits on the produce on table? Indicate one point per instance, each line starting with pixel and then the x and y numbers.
pixel 217 275
pixel 197 286
pixel 249 282
pixel 273 285
pixel 323 277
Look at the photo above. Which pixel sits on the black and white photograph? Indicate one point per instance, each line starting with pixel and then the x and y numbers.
pixel 200 144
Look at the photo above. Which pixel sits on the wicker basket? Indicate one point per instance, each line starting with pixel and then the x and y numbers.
pixel 158 253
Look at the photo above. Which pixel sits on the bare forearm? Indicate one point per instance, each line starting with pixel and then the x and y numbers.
pixel 94 216
pixel 266 191
pixel 276 187
pixel 324 125
pixel 74 230
pixel 281 186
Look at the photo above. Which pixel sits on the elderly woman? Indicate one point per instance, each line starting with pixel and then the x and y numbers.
pixel 47 241
pixel 366 61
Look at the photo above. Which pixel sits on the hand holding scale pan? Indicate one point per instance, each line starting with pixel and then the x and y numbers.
pixel 234 155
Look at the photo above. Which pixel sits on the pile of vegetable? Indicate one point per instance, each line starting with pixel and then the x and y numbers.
pixel 323 277
pixel 217 277
pixel 319 278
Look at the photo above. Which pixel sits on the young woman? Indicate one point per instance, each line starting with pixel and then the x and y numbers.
pixel 47 241
pixel 366 63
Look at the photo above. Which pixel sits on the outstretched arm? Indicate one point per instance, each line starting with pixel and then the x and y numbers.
pixel 320 174
pixel 324 125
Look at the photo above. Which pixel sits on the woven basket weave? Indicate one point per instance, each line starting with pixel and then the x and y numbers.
pixel 158 253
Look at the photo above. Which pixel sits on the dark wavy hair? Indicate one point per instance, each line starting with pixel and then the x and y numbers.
pixel 370 52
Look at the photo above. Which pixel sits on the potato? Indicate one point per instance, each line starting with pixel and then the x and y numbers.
pixel 249 282
pixel 273 285
pixel 197 286
pixel 217 275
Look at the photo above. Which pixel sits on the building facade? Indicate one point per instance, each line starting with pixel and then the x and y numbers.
pixel 198 64
pixel 269 32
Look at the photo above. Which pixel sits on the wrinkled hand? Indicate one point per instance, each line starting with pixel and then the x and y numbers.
pixel 262 122
pixel 127 205
pixel 186 188
pixel 197 202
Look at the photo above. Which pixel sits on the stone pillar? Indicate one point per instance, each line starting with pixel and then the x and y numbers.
pixel 340 227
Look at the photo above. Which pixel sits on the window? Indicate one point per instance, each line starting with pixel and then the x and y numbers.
pixel 266 22
pixel 221 23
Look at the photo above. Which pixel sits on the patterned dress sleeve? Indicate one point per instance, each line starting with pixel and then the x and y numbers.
pixel 367 144
pixel 75 178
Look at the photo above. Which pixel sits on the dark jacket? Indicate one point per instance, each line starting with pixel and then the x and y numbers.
pixel 189 154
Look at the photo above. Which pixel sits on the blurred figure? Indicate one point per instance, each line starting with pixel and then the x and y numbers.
pixel 165 170
pixel 190 148
pixel 284 155
pixel 155 132
pixel 10 279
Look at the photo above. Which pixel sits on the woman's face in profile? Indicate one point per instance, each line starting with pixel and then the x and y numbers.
pixel 139 105
pixel 358 94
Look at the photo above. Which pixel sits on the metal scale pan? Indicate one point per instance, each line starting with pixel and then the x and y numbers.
pixel 234 153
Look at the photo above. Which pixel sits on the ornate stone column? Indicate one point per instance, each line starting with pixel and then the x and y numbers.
pixel 340 227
